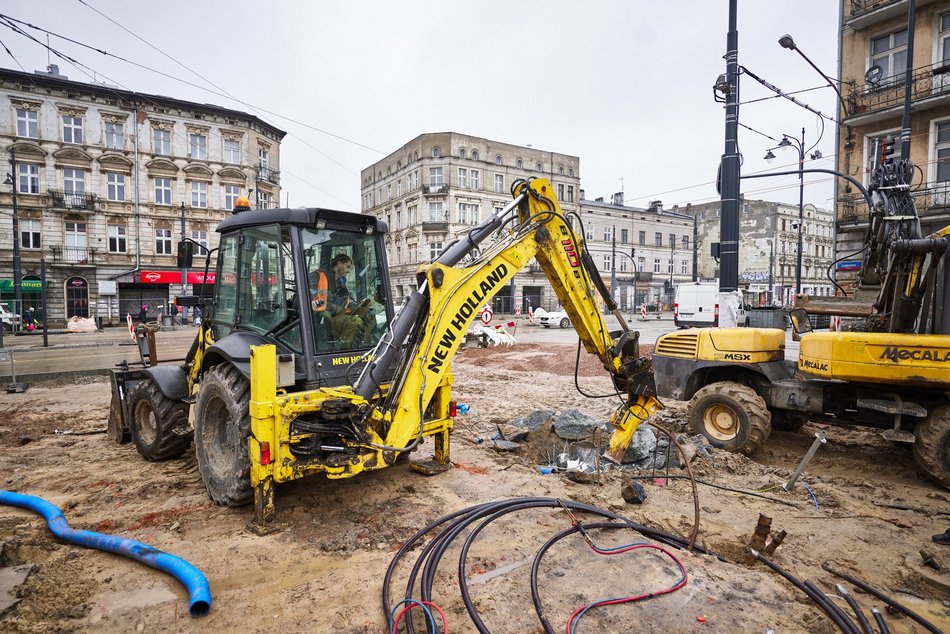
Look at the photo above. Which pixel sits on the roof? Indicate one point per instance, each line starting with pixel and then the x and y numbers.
pixel 303 216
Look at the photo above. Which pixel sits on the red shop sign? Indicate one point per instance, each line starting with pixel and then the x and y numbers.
pixel 199 278
pixel 160 277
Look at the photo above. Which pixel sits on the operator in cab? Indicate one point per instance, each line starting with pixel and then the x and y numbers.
pixel 349 319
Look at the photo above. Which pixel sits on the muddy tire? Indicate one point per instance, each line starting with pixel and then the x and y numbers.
pixel 731 416
pixel 158 425
pixel 932 445
pixel 222 428
pixel 788 421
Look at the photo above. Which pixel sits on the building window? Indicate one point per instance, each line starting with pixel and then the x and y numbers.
pixel 198 146
pixel 624 235
pixel 30 233
pixel 474 174
pixel 606 263
pixel 72 129
pixel 499 183
pixel 163 191
pixel 435 248
pixel 389 192
pixel 539 167
pixel 890 53
pixel 685 243
pixel 669 268
pixel 26 126
pixel 474 211
pixel 412 180
pixel 74 241
pixel 29 178
pixel 560 170
pixel 77 297
pixel 398 188
pixel 232 151
pixel 436 152
pixel 607 234
pixel 163 242
pixel 570 172
pixel 943 153
pixel 658 239
pixel 656 265
pixel 263 157
pixel 474 155
pixel 560 191
pixel 519 164
pixel 117 239
pixel 231 193
pixel 461 153
pixel 436 211
pixel 684 267
pixel 115 187
pixel 435 177
pixel 162 142
pixel 201 237
pixel 642 238
pixel 74 181
pixel 115 135
pixel 463 213
pixel 570 193
pixel 943 47
pixel 263 200
pixel 199 194
pixel 463 177
pixel 672 240
pixel 498 159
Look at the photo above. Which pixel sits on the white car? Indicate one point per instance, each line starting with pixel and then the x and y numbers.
pixel 557 318
pixel 8 318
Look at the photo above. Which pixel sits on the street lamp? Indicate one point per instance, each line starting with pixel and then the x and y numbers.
pixel 17 273
pixel 786 41
pixel 786 142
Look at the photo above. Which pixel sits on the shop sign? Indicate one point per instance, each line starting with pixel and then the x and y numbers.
pixel 160 277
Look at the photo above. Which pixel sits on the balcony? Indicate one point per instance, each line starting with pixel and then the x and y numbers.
pixel 59 199
pixel 931 201
pixel 866 13
pixel 267 174
pixel 78 256
pixel 435 226
pixel 435 190
pixel 930 87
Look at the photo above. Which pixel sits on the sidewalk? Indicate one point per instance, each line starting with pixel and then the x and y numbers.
pixel 109 336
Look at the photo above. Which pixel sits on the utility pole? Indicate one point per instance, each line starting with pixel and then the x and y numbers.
pixel 613 263
pixel 729 185
pixel 771 292
pixel 17 268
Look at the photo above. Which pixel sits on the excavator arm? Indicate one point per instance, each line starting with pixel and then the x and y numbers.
pixel 431 324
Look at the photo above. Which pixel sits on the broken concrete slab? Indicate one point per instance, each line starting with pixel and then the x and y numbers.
pixel 535 420
pixel 11 578
pixel 571 424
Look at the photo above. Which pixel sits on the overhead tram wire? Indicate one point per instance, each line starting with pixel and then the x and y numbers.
pixel 80 67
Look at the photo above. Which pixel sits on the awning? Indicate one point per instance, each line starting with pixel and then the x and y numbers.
pixel 27 286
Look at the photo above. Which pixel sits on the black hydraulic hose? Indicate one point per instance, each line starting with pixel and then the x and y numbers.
pixel 858 612
pixel 831 606
pixel 881 623
pixel 824 605
pixel 930 627
pixel 455 523
pixel 721 487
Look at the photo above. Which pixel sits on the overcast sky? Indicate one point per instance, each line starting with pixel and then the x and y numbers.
pixel 626 85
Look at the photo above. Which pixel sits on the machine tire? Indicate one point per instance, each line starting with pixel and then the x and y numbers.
pixel 932 445
pixel 731 416
pixel 565 323
pixel 788 421
pixel 158 425
pixel 222 429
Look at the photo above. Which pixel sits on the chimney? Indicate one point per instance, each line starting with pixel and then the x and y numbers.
pixel 599 199
pixel 582 194
pixel 617 199
pixel 52 70
pixel 656 205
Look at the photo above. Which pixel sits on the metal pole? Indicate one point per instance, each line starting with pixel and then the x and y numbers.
pixel 613 263
pixel 820 439
pixel 43 300
pixel 729 220
pixel 908 82
pixel 17 270
pixel 801 211
pixel 771 293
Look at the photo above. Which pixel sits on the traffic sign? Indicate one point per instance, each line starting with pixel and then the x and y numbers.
pixel 486 316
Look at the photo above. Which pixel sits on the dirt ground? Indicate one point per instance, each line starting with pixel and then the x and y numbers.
pixel 323 572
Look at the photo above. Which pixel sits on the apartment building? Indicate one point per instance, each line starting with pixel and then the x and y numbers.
pixel 768 248
pixel 642 254
pixel 103 183
pixel 874 59
pixel 436 187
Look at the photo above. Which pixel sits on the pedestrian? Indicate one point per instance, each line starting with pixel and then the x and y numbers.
pixel 143 313
pixel 28 318
pixel 173 312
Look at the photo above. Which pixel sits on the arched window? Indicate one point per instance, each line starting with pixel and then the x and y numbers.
pixel 436 152
pixel 77 297
pixel 539 167
pixel 461 153
pixel 560 170
pixel 398 165
pixel 570 172
pixel 498 159
pixel 519 164
pixel 474 155
pixel 415 155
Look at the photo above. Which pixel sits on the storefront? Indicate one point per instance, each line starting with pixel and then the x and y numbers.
pixel 31 289
pixel 153 290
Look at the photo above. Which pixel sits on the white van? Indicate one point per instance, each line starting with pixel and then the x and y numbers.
pixel 697 306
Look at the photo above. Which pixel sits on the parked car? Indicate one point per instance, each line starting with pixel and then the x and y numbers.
pixel 9 319
pixel 557 318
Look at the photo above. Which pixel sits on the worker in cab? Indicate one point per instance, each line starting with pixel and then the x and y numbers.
pixel 332 300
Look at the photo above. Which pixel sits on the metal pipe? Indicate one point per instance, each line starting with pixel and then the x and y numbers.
pixel 819 440
pixel 199 592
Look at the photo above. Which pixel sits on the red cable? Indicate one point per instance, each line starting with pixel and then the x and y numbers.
pixel 414 604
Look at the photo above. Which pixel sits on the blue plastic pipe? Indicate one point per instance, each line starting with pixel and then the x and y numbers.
pixel 199 593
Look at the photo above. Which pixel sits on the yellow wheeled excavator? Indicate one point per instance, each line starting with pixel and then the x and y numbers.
pixel 272 392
